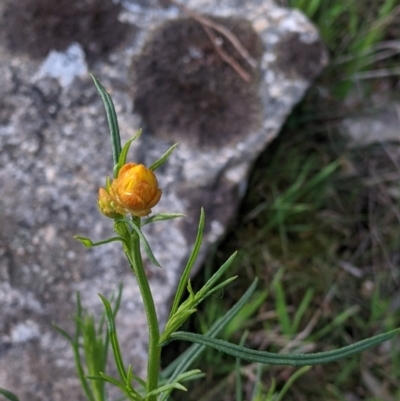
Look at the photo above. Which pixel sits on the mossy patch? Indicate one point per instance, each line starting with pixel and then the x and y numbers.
pixel 35 27
pixel 185 92
pixel 299 59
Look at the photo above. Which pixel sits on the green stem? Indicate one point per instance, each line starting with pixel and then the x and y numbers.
pixel 154 350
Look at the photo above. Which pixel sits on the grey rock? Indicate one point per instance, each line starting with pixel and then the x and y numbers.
pixel 380 126
pixel 55 154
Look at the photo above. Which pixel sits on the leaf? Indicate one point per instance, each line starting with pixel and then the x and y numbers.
pixel 162 217
pixel 208 286
pixel 217 288
pixel 188 268
pixel 75 348
pixel 129 391
pixel 88 243
pixel 290 381
pixel 271 358
pixel 112 120
pixel 124 152
pixel 186 359
pixel 63 333
pixel 131 376
pixel 163 389
pixel 9 395
pixel 163 158
pixel 143 240
pixel 114 339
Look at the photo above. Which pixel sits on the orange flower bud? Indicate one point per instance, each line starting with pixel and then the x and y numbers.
pixel 106 204
pixel 135 190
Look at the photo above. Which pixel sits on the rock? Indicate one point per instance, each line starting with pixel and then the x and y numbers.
pixel 378 127
pixel 55 153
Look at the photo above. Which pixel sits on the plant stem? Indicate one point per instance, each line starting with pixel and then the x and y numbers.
pixel 154 350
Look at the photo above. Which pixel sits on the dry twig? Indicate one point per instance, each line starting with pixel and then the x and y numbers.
pixel 225 56
pixel 209 25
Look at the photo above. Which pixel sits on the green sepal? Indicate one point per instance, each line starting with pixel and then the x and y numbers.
pixel 163 158
pixel 124 153
pixel 108 184
pixel 271 358
pixel 111 118
pixel 162 217
pixel 8 394
pixel 88 243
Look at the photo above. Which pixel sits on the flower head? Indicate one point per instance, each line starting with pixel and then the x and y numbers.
pixel 106 204
pixel 135 190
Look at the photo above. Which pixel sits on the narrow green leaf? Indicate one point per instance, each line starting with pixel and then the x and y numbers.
pixel 63 333
pixel 114 339
pixel 88 243
pixel 281 309
pixel 163 158
pixel 183 362
pixel 167 387
pixel 79 312
pixel 271 390
pixel 186 272
pixel 246 312
pixel 112 120
pixel 77 358
pixel 131 376
pixel 216 276
pixel 132 394
pixel 9 395
pixel 125 150
pixel 93 351
pixel 143 240
pixel 162 217
pixel 337 322
pixel 218 287
pixel 258 385
pixel 279 359
pixel 291 380
pixel 188 375
pixel 238 375
pixel 305 302
pixel 118 300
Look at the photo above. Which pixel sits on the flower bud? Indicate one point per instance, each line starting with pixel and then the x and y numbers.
pixel 135 190
pixel 106 204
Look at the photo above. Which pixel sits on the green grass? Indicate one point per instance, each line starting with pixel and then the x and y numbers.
pixel 354 32
pixel 320 227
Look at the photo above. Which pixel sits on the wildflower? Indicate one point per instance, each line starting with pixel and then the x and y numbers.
pixel 106 204
pixel 135 190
